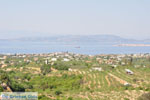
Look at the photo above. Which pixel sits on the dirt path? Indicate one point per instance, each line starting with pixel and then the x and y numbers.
pixel 75 72
pixel 90 76
pixel 84 72
pixel 118 79
pixel 80 72
pixel 89 84
pixel 83 97
pixel 98 81
pixel 122 81
pixel 106 77
pixel 49 96
pixel 99 84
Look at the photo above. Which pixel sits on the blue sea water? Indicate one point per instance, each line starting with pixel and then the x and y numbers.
pixel 50 47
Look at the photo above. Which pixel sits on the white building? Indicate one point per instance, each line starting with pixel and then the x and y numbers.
pixel 70 69
pixel 97 69
pixel 65 59
pixel 54 59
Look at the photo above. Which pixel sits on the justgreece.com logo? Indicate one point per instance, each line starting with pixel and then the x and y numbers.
pixel 19 96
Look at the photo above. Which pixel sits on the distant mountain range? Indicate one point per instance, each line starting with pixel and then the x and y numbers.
pixel 84 39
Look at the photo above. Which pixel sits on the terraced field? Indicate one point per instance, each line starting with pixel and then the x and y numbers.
pixel 110 85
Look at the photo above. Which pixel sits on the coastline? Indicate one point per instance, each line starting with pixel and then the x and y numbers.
pixel 132 45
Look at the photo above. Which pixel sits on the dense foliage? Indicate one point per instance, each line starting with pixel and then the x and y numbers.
pixel 65 82
pixel 61 65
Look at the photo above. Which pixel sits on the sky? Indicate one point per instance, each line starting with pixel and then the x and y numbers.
pixel 31 18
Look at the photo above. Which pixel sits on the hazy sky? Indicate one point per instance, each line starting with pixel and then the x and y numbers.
pixel 126 18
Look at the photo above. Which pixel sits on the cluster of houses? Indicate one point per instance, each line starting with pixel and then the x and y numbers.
pixel 110 59
pixel 2 61
pixel 120 59
pixel 47 58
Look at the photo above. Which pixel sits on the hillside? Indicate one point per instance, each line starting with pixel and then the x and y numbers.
pixel 68 76
pixel 85 39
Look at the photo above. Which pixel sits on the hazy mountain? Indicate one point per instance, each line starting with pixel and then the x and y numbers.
pixel 85 39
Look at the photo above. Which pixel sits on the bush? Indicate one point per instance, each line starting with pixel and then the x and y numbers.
pixel 140 88
pixel 64 76
pixel 58 92
pixel 87 88
pixel 27 76
pixel 16 87
pixel 4 78
pixel 45 69
pixel 1 89
pixel 43 97
pixel 147 89
pixel 70 98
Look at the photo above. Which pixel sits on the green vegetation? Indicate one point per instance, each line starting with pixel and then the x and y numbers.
pixel 63 83
pixel 45 69
pixel 82 77
pixel 61 66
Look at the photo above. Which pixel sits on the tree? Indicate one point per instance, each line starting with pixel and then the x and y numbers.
pixel 58 92
pixel 16 87
pixel 45 69
pixel 70 98
pixel 1 89
pixel 27 76
pixel 130 61
pixel 4 78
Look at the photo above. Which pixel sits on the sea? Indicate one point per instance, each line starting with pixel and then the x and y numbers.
pixel 26 47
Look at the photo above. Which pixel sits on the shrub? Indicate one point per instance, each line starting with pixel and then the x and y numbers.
pixel 43 97
pixel 1 89
pixel 64 76
pixel 4 78
pixel 70 98
pixel 45 69
pixel 58 92
pixel 147 89
pixel 16 87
